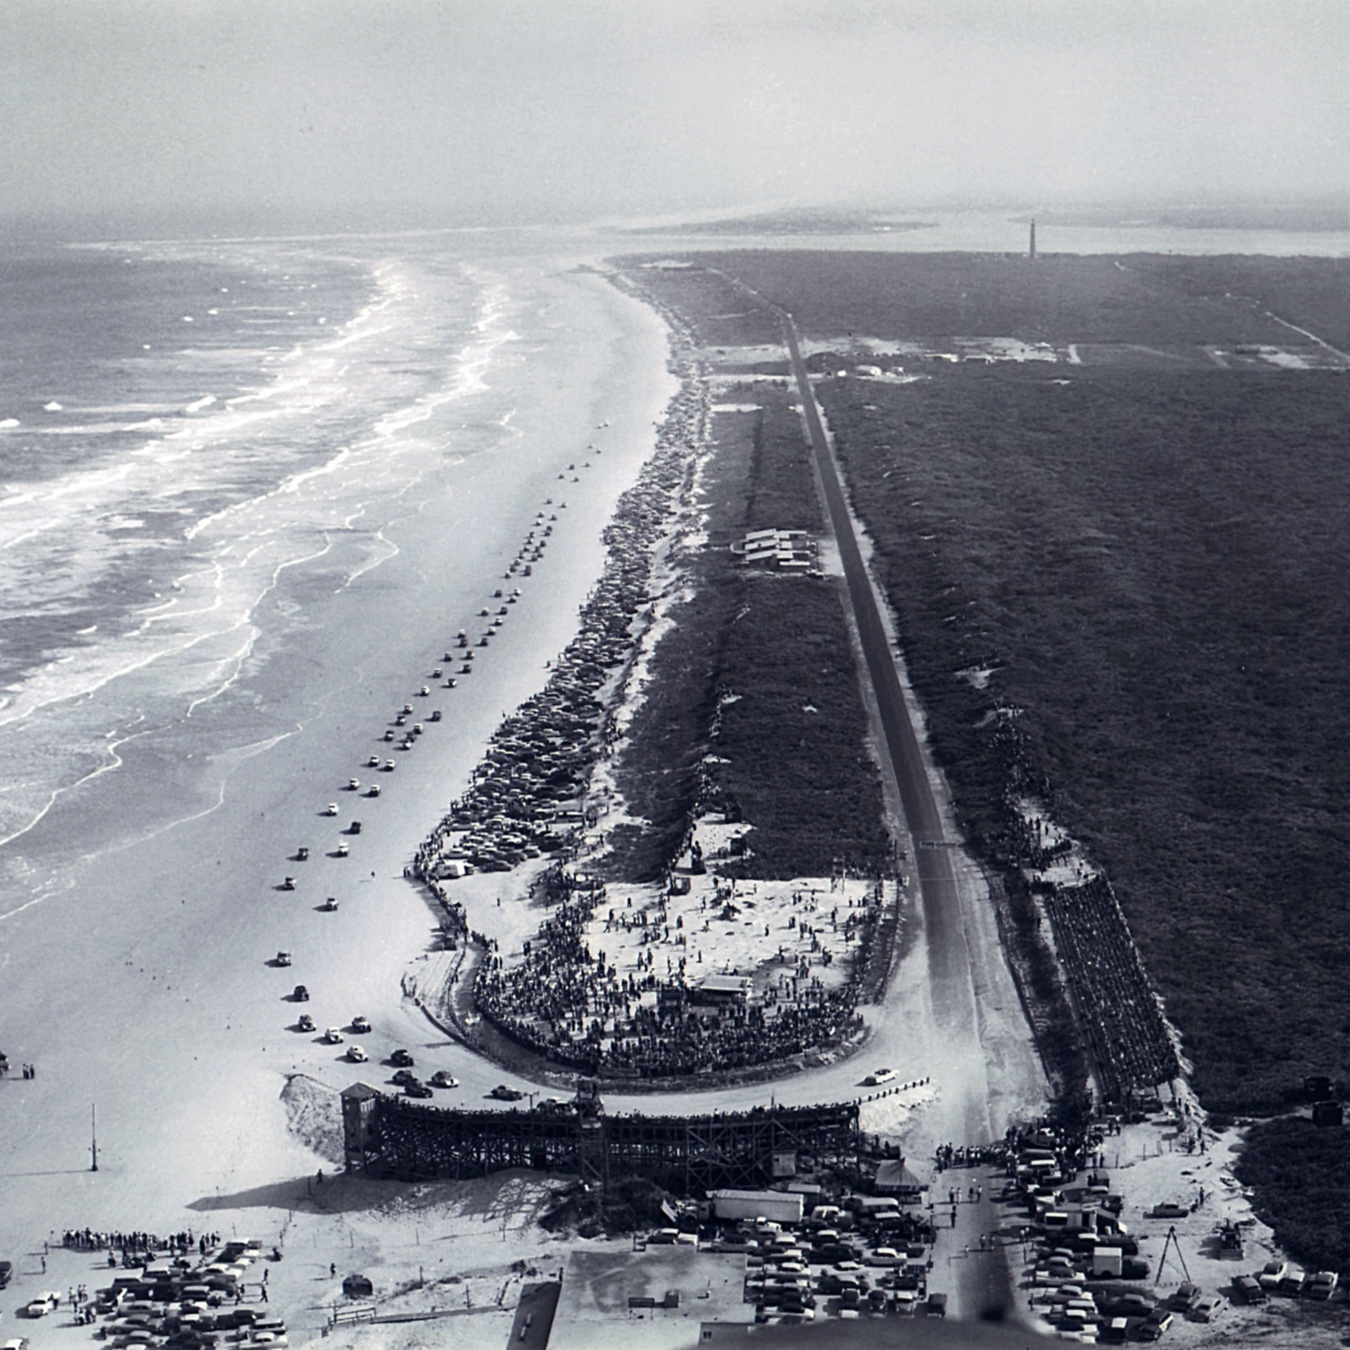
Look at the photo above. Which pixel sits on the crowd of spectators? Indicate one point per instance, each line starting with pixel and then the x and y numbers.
pixel 525 795
pixel 1117 1007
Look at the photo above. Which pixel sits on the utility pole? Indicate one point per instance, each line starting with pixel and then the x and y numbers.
pixel 93 1137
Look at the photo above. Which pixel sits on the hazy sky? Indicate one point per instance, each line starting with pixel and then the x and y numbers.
pixel 549 109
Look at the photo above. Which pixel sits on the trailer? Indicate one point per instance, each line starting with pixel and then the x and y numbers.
pixel 778 1206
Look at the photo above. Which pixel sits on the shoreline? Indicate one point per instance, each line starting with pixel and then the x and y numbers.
pixel 165 948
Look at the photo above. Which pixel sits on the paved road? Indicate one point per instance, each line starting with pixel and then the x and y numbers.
pixel 932 865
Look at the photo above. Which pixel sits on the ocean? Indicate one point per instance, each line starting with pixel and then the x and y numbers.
pixel 189 434
pixel 190 429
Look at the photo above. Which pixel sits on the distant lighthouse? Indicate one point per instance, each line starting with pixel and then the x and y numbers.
pixel 1031 251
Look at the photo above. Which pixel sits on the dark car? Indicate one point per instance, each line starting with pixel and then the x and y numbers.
pixel 404 1076
pixel 417 1089
pixel 6 1270
pixel 300 994
pixel 402 1058
pixel 502 1093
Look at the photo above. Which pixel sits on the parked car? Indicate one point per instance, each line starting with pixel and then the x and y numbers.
pixel 299 994
pixel 283 958
pixel 360 1024
pixel 356 1054
pixel 6 1271
pixel 1206 1310
pixel 1292 1282
pixel 332 809
pixel 1185 1297
pixel 1272 1273
pixel 333 1036
pixel 42 1305
pixel 402 1058
pixel 1323 1284
pixel 306 1023
pixel 1168 1210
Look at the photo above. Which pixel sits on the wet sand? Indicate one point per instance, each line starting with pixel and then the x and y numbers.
pixel 144 989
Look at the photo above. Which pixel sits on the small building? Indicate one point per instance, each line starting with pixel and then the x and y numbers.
pixel 357 1286
pixel 660 1299
pixel 721 991
pixel 1328 1113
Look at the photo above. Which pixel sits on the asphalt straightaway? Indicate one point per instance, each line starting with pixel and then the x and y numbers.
pixel 932 866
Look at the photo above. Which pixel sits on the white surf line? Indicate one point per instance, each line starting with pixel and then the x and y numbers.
pixel 114 761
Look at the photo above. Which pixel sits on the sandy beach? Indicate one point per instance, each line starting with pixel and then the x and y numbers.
pixel 143 989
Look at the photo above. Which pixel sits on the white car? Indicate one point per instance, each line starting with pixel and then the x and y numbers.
pixel 356 1054
pixel 360 1023
pixel 332 809
pixel 879 1076
pixel 42 1305
pixel 333 1036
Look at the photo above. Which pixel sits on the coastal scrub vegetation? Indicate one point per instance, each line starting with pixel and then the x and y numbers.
pixel 1298 1172
pixel 1119 586
pixel 1147 559
pixel 753 705
pixel 1149 564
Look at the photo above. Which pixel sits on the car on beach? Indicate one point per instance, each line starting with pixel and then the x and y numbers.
pixel 332 809
pixel 356 1054
pixel 403 1076
pixel 879 1076
pixel 352 785
pixel 373 762
pixel 374 790
pixel 360 1024
pixel 502 1093
pixel 300 994
pixel 333 1036
pixel 402 1058
pixel 443 1078
pixel 283 958
pixel 389 766
pixel 341 851
pixel 330 904
pixel 417 1089
pixel 305 1023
